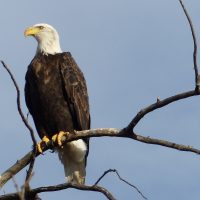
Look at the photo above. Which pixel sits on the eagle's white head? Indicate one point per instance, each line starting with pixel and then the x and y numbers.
pixel 47 38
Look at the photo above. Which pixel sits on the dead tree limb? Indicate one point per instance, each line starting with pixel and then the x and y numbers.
pixel 33 192
pixel 111 132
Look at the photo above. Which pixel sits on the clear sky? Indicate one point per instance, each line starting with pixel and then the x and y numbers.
pixel 131 52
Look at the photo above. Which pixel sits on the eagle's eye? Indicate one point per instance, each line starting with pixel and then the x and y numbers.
pixel 40 27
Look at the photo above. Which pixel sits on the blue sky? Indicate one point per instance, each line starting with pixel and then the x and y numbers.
pixel 131 52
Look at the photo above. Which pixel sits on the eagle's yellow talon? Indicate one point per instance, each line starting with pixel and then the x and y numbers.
pixel 59 137
pixel 45 139
pixel 39 149
pixel 54 138
pixel 60 134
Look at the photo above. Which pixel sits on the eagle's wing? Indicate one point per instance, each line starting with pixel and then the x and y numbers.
pixel 75 92
pixel 31 101
pixel 27 93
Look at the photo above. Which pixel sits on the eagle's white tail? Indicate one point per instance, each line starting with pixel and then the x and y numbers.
pixel 72 156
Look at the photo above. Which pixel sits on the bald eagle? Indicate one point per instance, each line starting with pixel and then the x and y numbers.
pixel 56 96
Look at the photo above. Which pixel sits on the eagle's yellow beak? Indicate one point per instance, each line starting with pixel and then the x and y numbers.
pixel 31 31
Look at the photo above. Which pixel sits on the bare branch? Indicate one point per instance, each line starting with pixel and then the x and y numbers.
pixel 33 192
pixel 159 104
pixel 197 79
pixel 23 119
pixel 177 97
pixel 21 197
pixel 165 143
pixel 111 132
pixel 29 172
pixel 116 172
pixel 19 103
pixel 19 165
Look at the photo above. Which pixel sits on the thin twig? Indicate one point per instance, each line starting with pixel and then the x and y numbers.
pixel 130 185
pixel 120 178
pixel 23 119
pixel 29 172
pixel 19 103
pixel 26 188
pixel 194 41
pixel 33 192
pixel 17 188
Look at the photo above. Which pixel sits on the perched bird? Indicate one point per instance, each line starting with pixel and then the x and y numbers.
pixel 56 96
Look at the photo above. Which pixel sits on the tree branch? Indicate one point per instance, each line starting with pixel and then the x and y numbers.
pixel 110 132
pixel 120 178
pixel 33 192
pixel 177 97
pixel 19 104
pixel 159 104
pixel 18 166
pixel 29 172
pixel 197 78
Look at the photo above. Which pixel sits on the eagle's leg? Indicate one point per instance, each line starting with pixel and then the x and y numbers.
pixel 57 138
pixel 45 140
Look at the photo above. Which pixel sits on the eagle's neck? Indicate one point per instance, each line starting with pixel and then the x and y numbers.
pixel 48 45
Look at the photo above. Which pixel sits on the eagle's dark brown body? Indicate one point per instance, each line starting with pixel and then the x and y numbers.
pixel 56 94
